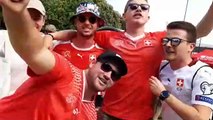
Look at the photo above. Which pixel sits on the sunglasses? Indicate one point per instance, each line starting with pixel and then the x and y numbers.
pixel 174 41
pixel 35 15
pixel 92 19
pixel 107 68
pixel 135 6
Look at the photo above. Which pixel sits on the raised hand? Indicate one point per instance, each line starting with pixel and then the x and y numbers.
pixel 14 5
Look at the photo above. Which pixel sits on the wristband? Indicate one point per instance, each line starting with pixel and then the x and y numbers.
pixel 164 94
pixel 51 35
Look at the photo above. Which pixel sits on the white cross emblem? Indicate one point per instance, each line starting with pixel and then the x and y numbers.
pixel 147 43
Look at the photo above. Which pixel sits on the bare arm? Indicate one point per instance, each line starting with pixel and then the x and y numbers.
pixel 205 26
pixel 25 38
pixel 64 34
pixel 186 112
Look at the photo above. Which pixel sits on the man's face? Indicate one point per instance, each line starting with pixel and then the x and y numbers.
pixel 102 76
pixel 86 24
pixel 137 12
pixel 176 45
pixel 37 17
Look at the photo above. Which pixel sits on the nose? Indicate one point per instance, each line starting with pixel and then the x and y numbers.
pixel 87 21
pixel 169 43
pixel 139 9
pixel 107 75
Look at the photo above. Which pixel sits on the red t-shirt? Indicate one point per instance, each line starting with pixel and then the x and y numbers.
pixel 56 95
pixel 79 57
pixel 131 98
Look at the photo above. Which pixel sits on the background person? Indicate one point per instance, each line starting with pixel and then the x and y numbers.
pixel 14 65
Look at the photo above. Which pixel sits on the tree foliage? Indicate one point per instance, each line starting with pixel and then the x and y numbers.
pixel 60 11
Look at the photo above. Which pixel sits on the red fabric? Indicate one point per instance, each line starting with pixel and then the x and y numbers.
pixel 80 58
pixel 205 56
pixel 131 98
pixel 56 95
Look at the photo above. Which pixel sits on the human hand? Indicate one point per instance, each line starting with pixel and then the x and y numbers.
pixel 156 86
pixel 14 5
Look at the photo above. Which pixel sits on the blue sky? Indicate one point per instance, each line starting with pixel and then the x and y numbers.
pixel 165 11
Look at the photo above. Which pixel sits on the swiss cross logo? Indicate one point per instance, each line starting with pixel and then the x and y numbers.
pixel 92 57
pixel 148 43
pixel 179 84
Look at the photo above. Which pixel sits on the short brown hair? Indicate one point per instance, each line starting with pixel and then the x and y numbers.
pixel 127 4
pixel 186 26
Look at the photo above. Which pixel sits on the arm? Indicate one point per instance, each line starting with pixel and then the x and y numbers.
pixel 64 34
pixel 205 26
pixel 186 112
pixel 25 38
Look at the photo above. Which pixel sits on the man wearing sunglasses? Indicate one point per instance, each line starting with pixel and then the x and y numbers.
pixel 185 85
pixel 82 49
pixel 12 61
pixel 56 90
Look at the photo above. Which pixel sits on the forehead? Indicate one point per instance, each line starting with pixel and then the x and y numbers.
pixel 87 14
pixel 176 33
pixel 138 1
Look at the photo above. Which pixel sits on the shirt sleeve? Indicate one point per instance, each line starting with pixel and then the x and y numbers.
pixel 61 70
pixel 202 92
pixel 102 37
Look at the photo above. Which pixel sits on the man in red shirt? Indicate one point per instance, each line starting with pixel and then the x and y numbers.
pixel 82 49
pixel 56 88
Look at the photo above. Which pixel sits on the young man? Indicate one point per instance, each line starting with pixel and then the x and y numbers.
pixel 56 88
pixel 14 64
pixel 131 97
pixel 82 49
pixel 186 88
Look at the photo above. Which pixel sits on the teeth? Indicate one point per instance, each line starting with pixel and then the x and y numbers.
pixel 102 82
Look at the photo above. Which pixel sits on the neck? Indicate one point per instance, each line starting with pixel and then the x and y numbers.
pixel 177 64
pixel 83 42
pixel 88 92
pixel 135 30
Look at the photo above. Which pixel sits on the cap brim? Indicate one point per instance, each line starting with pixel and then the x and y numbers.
pixel 100 20
pixel 117 61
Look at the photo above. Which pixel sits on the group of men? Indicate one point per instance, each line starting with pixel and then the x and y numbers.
pixel 65 92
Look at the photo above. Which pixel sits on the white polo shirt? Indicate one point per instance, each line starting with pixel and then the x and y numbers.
pixel 179 83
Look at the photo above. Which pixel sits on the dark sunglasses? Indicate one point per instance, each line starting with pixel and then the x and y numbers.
pixel 174 41
pixel 107 68
pixel 92 19
pixel 135 6
pixel 35 15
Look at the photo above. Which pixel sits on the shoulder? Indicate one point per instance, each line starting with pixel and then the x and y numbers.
pixel 158 34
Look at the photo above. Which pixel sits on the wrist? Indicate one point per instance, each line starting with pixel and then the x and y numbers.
pixel 164 95
pixel 50 35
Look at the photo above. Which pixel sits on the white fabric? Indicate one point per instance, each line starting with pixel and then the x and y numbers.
pixel 17 66
pixel 178 82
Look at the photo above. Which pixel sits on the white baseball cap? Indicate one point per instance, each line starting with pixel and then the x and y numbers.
pixel 37 4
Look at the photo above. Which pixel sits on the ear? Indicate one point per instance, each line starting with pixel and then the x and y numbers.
pixel 192 46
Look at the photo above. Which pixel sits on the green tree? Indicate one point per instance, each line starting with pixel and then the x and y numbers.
pixel 60 11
